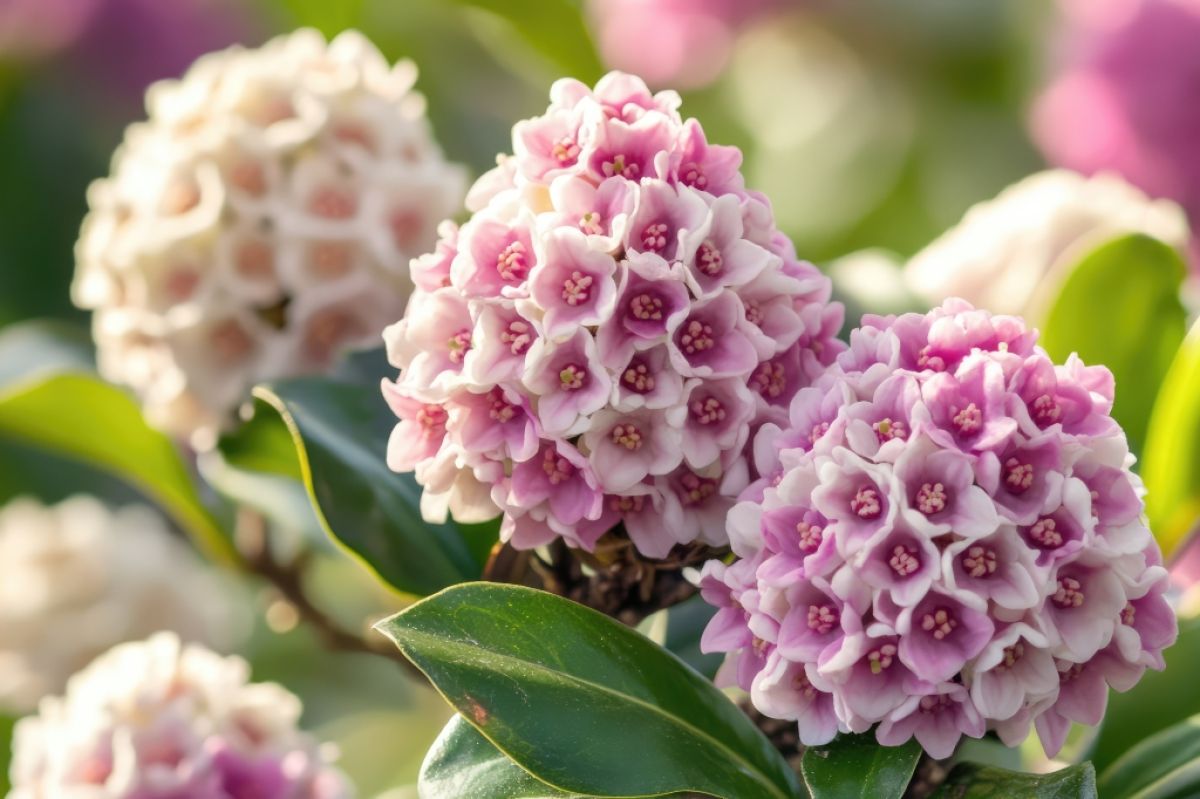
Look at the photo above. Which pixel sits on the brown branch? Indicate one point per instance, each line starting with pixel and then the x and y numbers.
pixel 288 579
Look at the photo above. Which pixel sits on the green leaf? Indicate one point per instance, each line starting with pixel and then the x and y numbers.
pixel 462 762
pixel 856 767
pixel 972 781
pixel 1171 459
pixel 7 724
pixel 1164 765
pixel 1160 700
pixel 583 702
pixel 1120 307
pixel 330 18
pixel 78 416
pixel 339 432
pixel 685 625
pixel 555 28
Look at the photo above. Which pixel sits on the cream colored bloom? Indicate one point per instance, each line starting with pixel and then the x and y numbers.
pixel 77 578
pixel 156 718
pixel 1011 254
pixel 260 220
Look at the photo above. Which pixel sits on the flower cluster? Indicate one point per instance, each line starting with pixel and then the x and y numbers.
pixel 945 539
pixel 154 718
pixel 260 221
pixel 77 578
pixel 595 345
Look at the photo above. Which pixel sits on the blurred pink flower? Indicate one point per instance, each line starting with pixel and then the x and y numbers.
pixel 1125 96
pixel 681 42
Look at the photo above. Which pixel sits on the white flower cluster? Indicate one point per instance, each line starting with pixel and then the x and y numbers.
pixel 1012 253
pixel 260 221
pixel 157 719
pixel 77 578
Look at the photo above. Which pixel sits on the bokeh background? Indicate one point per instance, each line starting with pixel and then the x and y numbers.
pixel 869 123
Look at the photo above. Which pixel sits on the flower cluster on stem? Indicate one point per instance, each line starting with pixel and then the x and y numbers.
pixel 945 538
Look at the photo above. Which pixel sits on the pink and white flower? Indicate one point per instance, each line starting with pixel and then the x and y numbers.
pixel 619 305
pixel 945 538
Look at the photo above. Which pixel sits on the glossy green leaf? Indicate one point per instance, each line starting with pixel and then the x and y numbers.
pixel 1163 766
pixel 1160 700
pixel 583 702
pixel 857 767
pixel 1171 459
pixel 52 405
pixel 972 781
pixel 1120 307
pixel 462 762
pixel 685 625
pixel 340 433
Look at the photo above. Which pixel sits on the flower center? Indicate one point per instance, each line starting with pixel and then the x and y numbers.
pixel 646 307
pixel 627 435
pixel 769 379
pixel 618 166
pixel 637 377
pixel 557 468
pixel 968 420
pixel 934 704
pixel 1046 533
pixel 866 503
pixel 632 504
pixel 708 410
pixel 696 489
pixel 458 345
pixel 1045 410
pixel 925 360
pixel 821 618
pixel 332 203
pixel 697 337
pixel 432 420
pixel 512 263
pixel 904 561
pixel 1012 654
pixel 654 237
pixel 879 660
pixel 754 313
pixel 708 259
pixel 575 290
pixel 692 174
pixel 932 498
pixel 591 223
pixel 1128 614
pixel 565 151
pixel 810 536
pixel 979 561
pixel 819 429
pixel 886 429
pixel 501 410
pixel 517 336
pixel 1070 674
pixel 571 377
pixel 1069 593
pixel 941 623
pixel 1018 477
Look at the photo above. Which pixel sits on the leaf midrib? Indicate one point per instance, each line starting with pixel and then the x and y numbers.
pixel 456 645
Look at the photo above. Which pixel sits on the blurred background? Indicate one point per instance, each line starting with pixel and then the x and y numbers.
pixel 868 123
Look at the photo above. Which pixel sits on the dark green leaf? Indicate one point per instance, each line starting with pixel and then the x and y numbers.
pixel 1164 765
pixel 1120 307
pixel 972 781
pixel 340 433
pixel 583 702
pixel 463 763
pixel 1171 459
pixel 856 767
pixel 685 625
pixel 78 416
pixel 1160 700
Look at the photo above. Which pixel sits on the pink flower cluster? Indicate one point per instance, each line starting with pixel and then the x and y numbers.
pixel 945 539
pixel 596 344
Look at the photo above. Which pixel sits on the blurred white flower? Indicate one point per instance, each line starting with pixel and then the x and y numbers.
pixel 77 578
pixel 260 221
pixel 1012 253
pixel 155 718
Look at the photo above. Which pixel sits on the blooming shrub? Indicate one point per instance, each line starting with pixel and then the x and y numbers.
pixel 77 578
pixel 261 220
pixel 945 538
pixel 594 346
pixel 154 718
